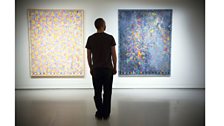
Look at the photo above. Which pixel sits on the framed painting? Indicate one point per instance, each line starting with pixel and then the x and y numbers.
pixel 56 43
pixel 144 42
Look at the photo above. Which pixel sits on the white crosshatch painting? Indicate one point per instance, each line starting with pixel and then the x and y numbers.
pixel 56 43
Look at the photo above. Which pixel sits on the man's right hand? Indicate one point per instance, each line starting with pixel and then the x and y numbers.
pixel 114 71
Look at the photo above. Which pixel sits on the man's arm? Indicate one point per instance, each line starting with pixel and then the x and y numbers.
pixel 89 58
pixel 114 58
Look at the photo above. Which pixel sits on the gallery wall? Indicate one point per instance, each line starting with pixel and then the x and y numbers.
pixel 187 46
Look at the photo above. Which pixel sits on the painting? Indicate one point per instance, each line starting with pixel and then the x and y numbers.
pixel 144 42
pixel 56 43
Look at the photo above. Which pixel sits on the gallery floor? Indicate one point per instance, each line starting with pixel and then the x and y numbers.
pixel 130 107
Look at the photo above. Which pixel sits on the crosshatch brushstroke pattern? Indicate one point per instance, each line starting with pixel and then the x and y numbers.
pixel 145 42
pixel 56 42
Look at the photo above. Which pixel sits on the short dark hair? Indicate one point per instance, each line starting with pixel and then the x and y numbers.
pixel 99 22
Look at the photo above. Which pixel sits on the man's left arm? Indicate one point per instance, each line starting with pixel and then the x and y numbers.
pixel 89 58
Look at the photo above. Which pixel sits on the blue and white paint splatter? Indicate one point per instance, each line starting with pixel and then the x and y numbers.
pixel 145 42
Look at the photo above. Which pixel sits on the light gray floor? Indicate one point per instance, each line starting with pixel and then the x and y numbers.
pixel 130 107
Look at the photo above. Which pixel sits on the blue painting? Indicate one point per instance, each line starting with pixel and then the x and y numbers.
pixel 144 42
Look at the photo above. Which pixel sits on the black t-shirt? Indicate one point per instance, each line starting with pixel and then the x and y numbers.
pixel 100 45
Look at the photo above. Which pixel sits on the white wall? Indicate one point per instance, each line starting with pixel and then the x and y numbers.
pixel 187 53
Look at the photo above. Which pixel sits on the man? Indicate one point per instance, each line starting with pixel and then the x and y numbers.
pixel 100 50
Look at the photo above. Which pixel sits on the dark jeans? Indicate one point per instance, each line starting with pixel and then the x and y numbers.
pixel 102 79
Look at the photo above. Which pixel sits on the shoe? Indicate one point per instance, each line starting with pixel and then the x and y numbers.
pixel 106 117
pixel 98 116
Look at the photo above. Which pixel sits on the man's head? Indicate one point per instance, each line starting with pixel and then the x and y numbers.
pixel 100 24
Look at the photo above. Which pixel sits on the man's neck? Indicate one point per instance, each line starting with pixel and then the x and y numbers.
pixel 100 31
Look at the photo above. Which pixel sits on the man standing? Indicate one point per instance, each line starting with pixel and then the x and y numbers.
pixel 100 50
